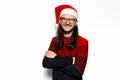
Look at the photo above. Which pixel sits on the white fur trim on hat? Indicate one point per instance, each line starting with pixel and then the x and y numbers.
pixel 69 11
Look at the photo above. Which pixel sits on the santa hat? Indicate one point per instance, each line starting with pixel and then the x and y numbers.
pixel 65 9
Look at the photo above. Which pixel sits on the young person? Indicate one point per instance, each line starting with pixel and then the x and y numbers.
pixel 68 51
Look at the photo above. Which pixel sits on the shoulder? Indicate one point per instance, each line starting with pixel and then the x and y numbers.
pixel 53 39
pixel 82 40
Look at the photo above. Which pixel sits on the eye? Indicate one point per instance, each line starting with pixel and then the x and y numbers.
pixel 63 19
pixel 70 20
pixel 73 19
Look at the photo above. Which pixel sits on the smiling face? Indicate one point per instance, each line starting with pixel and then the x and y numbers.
pixel 68 22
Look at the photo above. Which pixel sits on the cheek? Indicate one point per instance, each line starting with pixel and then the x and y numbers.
pixel 62 24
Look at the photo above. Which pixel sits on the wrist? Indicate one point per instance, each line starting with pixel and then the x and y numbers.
pixel 73 60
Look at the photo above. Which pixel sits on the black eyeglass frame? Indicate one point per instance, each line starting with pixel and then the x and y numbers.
pixel 71 20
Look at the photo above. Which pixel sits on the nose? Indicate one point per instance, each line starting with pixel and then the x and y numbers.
pixel 67 21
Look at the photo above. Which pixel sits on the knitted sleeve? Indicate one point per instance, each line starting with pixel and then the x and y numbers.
pixel 81 58
pixel 49 62
pixel 57 62
pixel 51 47
pixel 77 69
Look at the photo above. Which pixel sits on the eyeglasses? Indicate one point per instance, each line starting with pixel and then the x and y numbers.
pixel 71 20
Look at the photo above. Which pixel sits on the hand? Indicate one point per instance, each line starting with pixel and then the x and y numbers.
pixel 73 60
pixel 50 54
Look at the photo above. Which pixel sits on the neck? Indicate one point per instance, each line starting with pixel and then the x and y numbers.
pixel 68 35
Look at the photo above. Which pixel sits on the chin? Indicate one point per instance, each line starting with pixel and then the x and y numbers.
pixel 67 30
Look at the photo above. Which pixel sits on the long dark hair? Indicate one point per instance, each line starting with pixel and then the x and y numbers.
pixel 60 38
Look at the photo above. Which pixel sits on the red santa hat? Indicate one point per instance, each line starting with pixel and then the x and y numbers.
pixel 65 9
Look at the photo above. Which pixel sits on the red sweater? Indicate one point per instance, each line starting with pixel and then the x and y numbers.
pixel 80 52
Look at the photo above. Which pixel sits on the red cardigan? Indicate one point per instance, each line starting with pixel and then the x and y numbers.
pixel 80 52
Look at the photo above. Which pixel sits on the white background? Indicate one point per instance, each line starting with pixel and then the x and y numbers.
pixel 27 27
